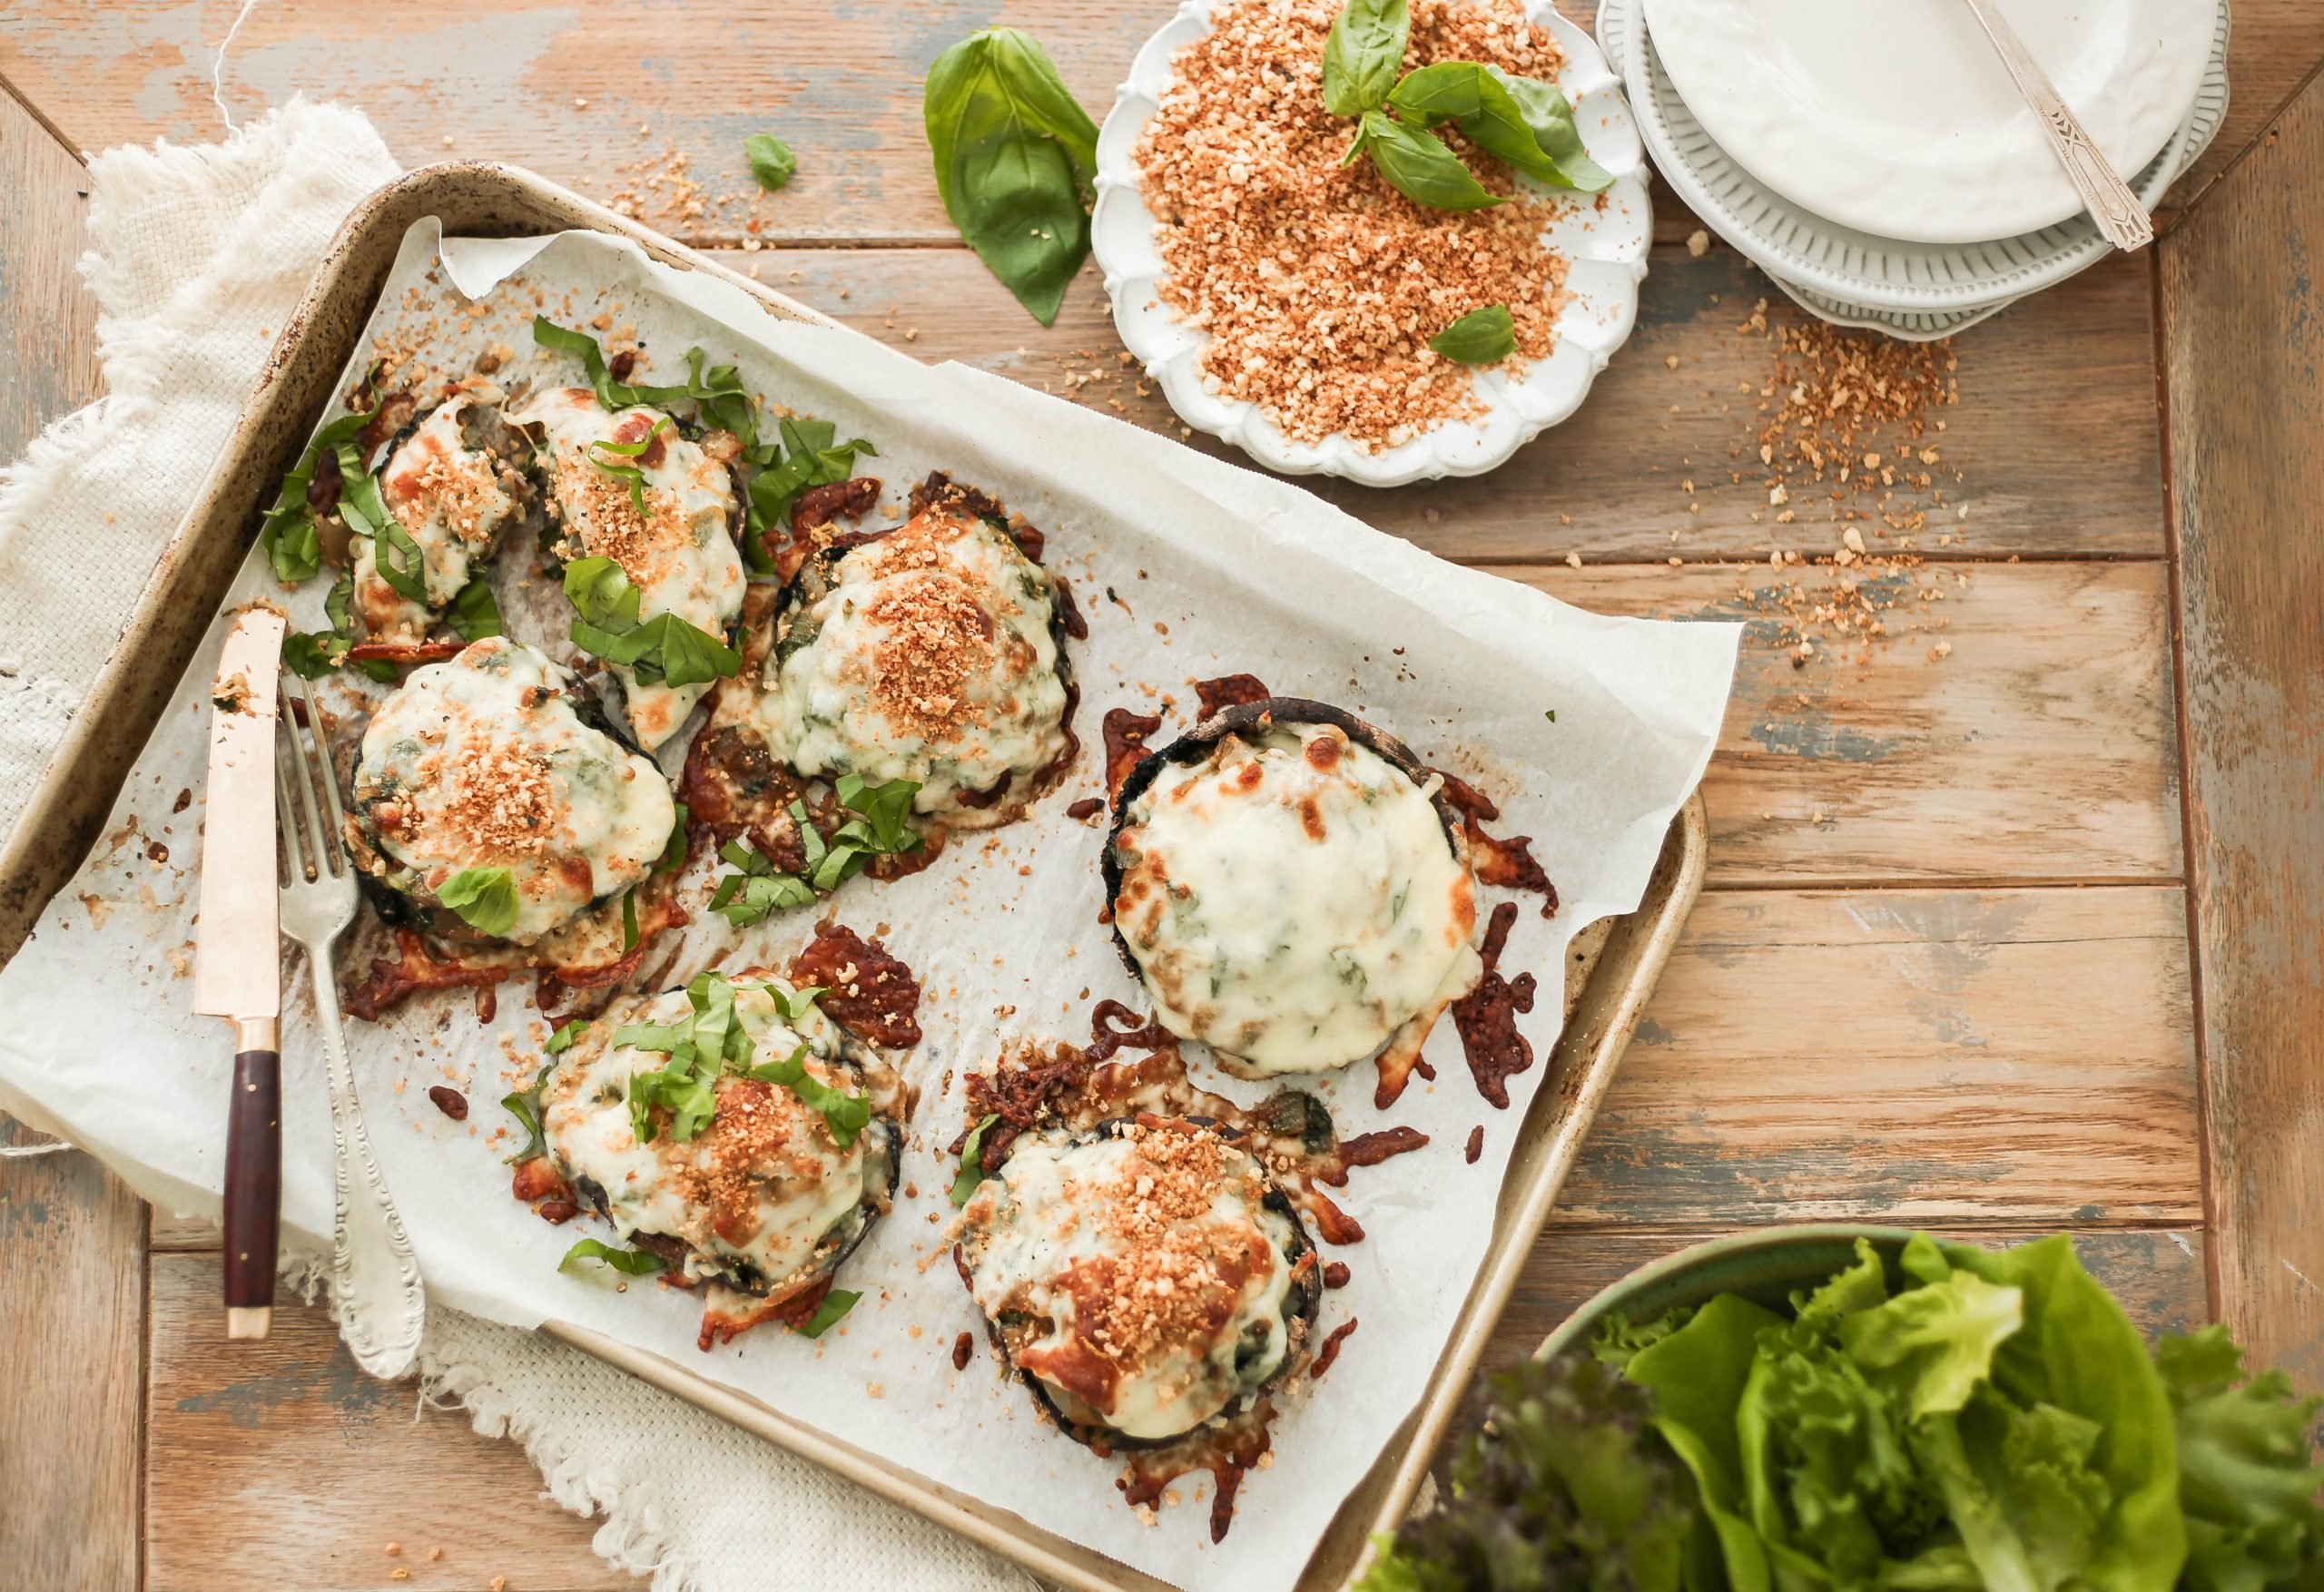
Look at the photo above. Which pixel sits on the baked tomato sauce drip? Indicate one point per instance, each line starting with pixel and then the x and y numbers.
pixel 413 969
pixel 1124 734
pixel 1228 1452
pixel 1230 691
pixel 789 546
pixel 867 991
pixel 1509 863
pixel 723 1321
pixel 1330 1351
pixel 1487 1016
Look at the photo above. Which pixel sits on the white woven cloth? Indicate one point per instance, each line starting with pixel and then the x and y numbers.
pixel 196 258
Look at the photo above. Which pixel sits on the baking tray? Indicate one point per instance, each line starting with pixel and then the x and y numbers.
pixel 1611 966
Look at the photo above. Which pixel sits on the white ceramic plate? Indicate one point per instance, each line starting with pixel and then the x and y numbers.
pixel 1899 120
pixel 1856 269
pixel 1605 246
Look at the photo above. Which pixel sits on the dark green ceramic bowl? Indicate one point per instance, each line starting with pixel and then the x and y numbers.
pixel 1766 1267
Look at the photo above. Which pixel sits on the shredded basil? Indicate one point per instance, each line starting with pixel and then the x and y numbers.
pixel 1015 162
pixel 562 1040
pixel 673 849
pixel 292 544
pixel 400 562
pixel 846 1115
pixel 1482 337
pixel 835 1305
pixel 771 161
pixel 631 473
pixel 971 1172
pixel 664 648
pixel 631 1263
pixel 628 921
pixel 524 1105
pixel 475 614
pixel 882 827
pixel 484 899
pixel 714 1041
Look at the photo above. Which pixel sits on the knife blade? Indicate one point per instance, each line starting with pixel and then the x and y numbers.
pixel 237 960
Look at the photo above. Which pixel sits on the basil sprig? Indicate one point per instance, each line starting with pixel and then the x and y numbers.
pixel 771 161
pixel 665 649
pixel 882 827
pixel 1482 336
pixel 971 1172
pixel 484 899
pixel 1523 121
pixel 1015 162
pixel 630 1262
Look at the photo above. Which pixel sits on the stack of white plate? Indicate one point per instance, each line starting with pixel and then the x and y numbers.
pixel 1878 161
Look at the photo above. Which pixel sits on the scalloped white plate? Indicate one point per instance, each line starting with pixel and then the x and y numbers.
pixel 1876 276
pixel 1925 137
pixel 1605 247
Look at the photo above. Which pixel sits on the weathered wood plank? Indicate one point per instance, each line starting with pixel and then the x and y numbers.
pixel 73 1325
pixel 72 1237
pixel 2273 50
pixel 280 1464
pixel 2039 747
pixel 2040 476
pixel 1941 1057
pixel 48 363
pixel 2246 415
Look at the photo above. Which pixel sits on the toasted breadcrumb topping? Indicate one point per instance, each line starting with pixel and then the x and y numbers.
pixel 1319 284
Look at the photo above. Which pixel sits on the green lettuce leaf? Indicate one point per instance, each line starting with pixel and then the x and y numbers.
pixel 2245 1481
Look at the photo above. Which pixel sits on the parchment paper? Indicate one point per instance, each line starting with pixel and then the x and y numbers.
pixel 1185 568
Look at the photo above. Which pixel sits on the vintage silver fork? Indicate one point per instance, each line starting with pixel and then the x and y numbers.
pixel 382 1306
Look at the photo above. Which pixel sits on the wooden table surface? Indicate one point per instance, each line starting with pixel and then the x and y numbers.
pixel 2019 937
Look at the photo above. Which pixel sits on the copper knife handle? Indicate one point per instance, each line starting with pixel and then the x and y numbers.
pixel 2108 199
pixel 253 1181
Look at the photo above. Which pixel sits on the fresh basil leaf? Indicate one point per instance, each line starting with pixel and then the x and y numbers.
pixel 484 899
pixel 630 1262
pixel 611 394
pixel 835 1305
pixel 1362 53
pixel 630 474
pixel 888 807
pixel 1418 165
pixel 771 161
pixel 692 656
pixel 399 561
pixel 794 1006
pixel 599 589
pixel 972 1161
pixel 475 614
pixel 338 601
pixel 1548 116
pixel 673 849
pixel 803 454
pixel 562 1040
pixel 1482 336
pixel 311 654
pixel 1015 162
pixel 524 1104
pixel 844 1116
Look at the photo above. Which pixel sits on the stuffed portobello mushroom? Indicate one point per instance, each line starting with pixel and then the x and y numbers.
pixel 731 1129
pixel 456 482
pixel 491 803
pixel 1292 888
pixel 933 652
pixel 1144 1278
pixel 628 487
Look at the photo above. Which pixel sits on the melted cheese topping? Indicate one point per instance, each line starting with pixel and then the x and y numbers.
pixel 930 658
pixel 762 1197
pixel 1140 1277
pixel 481 762
pixel 1293 900
pixel 679 554
pixel 452 499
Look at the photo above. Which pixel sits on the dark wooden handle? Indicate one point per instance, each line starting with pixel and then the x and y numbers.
pixel 253 1178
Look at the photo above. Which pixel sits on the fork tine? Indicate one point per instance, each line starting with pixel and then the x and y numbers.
pixel 312 837
pixel 331 848
pixel 286 807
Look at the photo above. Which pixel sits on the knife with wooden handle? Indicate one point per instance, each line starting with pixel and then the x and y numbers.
pixel 237 963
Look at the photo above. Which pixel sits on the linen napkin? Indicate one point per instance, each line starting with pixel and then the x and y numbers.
pixel 198 255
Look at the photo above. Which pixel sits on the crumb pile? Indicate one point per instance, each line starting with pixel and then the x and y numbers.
pixel 1319 284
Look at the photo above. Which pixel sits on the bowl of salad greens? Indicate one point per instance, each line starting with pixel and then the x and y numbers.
pixel 1852 1407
